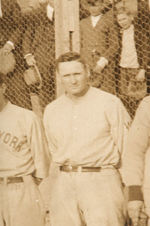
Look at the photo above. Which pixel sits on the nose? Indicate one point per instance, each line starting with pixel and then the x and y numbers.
pixel 73 79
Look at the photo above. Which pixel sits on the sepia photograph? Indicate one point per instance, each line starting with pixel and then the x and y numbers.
pixel 74 112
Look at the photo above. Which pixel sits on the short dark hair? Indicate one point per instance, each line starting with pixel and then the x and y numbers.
pixel 1 78
pixel 70 56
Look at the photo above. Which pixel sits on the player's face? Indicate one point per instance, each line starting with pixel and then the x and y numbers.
pixel 124 20
pixel 74 78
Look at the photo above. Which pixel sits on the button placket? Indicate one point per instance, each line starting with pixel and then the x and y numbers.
pixel 74 119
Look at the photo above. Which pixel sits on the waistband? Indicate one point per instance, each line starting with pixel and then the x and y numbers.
pixel 9 180
pixel 69 168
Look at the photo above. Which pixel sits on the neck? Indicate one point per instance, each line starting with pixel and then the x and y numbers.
pixel 80 95
pixel 3 104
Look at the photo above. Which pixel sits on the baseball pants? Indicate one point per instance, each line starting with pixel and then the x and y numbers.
pixel 21 204
pixel 87 198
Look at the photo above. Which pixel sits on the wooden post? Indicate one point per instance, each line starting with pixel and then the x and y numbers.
pixel 66 30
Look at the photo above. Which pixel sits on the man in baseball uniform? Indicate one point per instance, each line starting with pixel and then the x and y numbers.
pixel 136 167
pixel 23 164
pixel 85 128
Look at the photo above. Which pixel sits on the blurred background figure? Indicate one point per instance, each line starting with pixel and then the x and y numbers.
pixel 132 59
pixel 99 44
pixel 39 48
pixel 32 42
pixel 11 20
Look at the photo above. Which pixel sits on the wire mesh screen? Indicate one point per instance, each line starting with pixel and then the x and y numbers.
pixel 27 31
pixel 118 60
pixel 115 45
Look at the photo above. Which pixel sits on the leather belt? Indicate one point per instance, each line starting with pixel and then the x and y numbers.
pixel 9 180
pixel 69 168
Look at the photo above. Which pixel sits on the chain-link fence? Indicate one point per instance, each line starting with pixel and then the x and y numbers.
pixel 115 45
pixel 118 58
pixel 27 29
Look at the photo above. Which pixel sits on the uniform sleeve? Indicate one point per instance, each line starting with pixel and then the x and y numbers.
pixel 135 150
pixel 52 143
pixel 119 121
pixel 39 148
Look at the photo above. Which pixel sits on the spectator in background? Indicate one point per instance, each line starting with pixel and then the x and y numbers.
pixel 39 48
pixel 12 28
pixel 132 60
pixel 144 18
pixel 10 15
pixel 34 37
pixel 136 164
pixel 99 43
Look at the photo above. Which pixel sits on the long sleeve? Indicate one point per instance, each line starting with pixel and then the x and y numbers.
pixel 137 145
pixel 39 148
pixel 108 46
pixel 52 143
pixel 10 21
pixel 28 36
pixel 119 121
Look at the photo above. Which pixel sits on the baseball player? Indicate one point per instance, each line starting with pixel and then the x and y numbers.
pixel 23 164
pixel 136 172
pixel 85 129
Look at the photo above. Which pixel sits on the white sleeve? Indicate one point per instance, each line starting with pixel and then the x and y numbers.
pixel 136 146
pixel 39 147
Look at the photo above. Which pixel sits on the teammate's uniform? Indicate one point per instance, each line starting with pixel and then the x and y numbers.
pixel 86 139
pixel 22 155
pixel 136 161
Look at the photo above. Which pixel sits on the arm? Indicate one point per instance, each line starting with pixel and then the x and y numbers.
pixel 39 148
pixel 119 121
pixel 15 20
pixel 136 146
pixel 134 159
pixel 109 38
pixel 52 143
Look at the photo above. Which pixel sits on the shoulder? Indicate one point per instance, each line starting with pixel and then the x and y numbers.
pixel 142 114
pixel 109 101
pixel 55 105
pixel 84 21
pixel 145 103
pixel 22 113
pixel 108 16
pixel 104 96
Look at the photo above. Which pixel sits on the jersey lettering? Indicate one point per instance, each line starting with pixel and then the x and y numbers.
pixel 7 138
pixel 14 142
